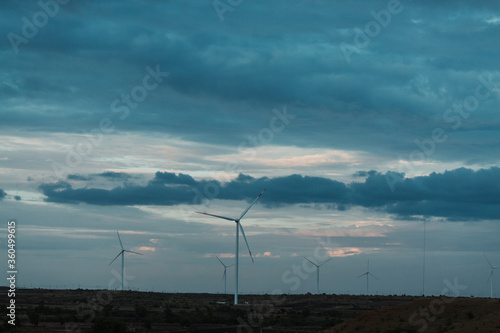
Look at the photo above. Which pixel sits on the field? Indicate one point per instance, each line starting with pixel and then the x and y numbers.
pixel 41 310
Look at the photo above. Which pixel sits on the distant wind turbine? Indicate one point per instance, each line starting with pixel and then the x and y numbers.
pixel 492 268
pixel 238 228
pixel 368 274
pixel 317 271
pixel 224 275
pixel 122 253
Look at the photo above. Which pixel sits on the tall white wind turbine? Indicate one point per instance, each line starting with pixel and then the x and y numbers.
pixel 492 268
pixel 224 275
pixel 238 228
pixel 317 271
pixel 368 274
pixel 122 253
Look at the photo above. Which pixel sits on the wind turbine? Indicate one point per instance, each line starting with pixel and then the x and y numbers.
pixel 224 275
pixel 317 270
pixel 492 268
pixel 368 274
pixel 238 227
pixel 122 253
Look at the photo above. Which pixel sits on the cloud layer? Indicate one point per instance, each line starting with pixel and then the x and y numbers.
pixel 461 194
pixel 225 78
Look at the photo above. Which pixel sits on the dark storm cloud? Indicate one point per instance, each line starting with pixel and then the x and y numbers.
pixel 164 189
pixel 2 194
pixel 115 175
pixel 359 174
pixel 110 175
pixel 167 178
pixel 461 194
pixel 226 77
pixel 78 177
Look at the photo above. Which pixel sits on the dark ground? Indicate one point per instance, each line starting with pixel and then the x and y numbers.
pixel 42 310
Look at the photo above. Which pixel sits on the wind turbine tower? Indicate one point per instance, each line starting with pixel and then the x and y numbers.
pixel 317 271
pixel 122 253
pixel 238 228
pixel 368 274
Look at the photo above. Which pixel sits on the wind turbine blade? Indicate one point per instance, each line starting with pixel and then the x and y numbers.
pixel 221 217
pixel 220 261
pixel 223 274
pixel 373 276
pixel 311 262
pixel 116 257
pixel 246 210
pixel 361 275
pixel 245 238
pixel 119 239
pixel 132 252
pixel 489 277
pixel 230 266
pixel 326 261
pixel 489 263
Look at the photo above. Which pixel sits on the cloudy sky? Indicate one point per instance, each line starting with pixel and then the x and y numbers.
pixel 364 121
